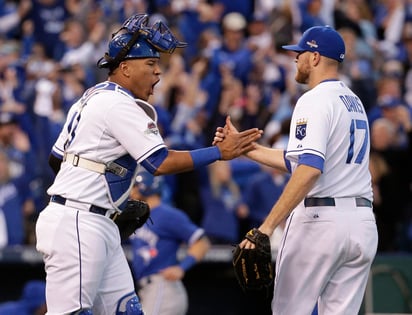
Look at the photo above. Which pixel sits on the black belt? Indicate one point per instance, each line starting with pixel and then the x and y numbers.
pixel 94 209
pixel 330 202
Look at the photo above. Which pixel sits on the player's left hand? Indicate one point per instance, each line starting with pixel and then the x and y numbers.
pixel 246 244
pixel 253 266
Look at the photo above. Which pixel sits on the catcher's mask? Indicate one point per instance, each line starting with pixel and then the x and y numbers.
pixel 147 184
pixel 135 39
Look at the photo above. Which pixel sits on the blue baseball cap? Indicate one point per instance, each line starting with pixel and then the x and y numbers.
pixel 323 39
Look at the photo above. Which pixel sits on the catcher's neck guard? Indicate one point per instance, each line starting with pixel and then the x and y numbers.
pixel 135 39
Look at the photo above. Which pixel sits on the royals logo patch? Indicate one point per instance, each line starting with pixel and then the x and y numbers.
pixel 300 131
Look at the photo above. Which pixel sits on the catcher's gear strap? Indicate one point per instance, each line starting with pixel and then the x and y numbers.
pixel 90 165
pixel 101 168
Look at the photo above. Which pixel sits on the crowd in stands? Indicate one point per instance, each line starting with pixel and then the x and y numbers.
pixel 233 65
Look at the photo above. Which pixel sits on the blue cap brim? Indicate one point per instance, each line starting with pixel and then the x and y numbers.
pixel 293 48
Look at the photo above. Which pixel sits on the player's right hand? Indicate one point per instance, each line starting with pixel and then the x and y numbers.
pixel 235 143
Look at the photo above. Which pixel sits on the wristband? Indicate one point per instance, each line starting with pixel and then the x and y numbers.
pixel 287 162
pixel 205 156
pixel 188 262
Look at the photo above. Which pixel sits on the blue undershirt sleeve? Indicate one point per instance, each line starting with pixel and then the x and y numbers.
pixel 152 162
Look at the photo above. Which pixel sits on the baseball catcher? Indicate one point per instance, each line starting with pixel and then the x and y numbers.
pixel 253 267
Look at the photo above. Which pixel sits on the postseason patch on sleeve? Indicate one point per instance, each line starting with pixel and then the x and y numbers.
pixel 152 128
pixel 300 131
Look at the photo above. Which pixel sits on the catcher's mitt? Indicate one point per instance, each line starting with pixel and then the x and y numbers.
pixel 253 267
pixel 132 217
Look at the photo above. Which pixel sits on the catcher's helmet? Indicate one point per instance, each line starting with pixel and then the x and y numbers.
pixel 135 39
pixel 149 184
pixel 140 49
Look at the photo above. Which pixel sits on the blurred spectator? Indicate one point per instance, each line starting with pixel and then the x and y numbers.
pixel 233 56
pixel 181 95
pixel 245 103
pixel 10 89
pixel 48 17
pixel 234 53
pixel 157 267
pixel 358 16
pixel 310 11
pixel 16 144
pixel 31 302
pixel 265 92
pixel 48 117
pixel 280 21
pixel 358 67
pixel 13 96
pixel 123 9
pixel 244 7
pixel 38 66
pixel 195 18
pixel 262 192
pixel 255 112
pixel 82 46
pixel 72 83
pixel 260 39
pixel 231 101
pixel 222 204
pixel 179 102
pixel 264 7
pixel 406 59
pixel 391 183
pixel 11 15
pixel 389 17
pixel 396 111
pixel 17 205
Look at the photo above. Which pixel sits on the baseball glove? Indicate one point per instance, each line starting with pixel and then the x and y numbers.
pixel 132 217
pixel 253 267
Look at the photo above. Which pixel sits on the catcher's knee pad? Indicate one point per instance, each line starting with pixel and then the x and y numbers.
pixel 129 305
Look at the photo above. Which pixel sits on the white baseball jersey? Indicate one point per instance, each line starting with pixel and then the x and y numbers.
pixel 330 122
pixel 327 249
pixel 108 126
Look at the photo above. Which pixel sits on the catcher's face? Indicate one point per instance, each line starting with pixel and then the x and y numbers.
pixel 142 76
